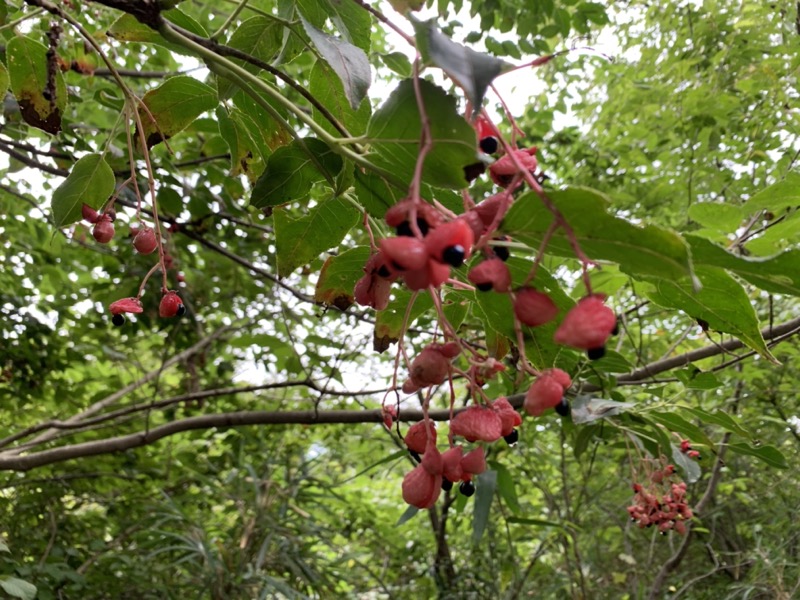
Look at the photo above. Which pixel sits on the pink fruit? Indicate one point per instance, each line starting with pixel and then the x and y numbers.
pixel 450 243
pixel 89 214
pixel 103 231
pixel 145 240
pixel 477 423
pixel 491 274
pixel 404 253
pixel 502 171
pixel 421 488
pixel 171 306
pixel 546 392
pixel 534 308
pixel 587 326
pixel 509 417
pixel 417 436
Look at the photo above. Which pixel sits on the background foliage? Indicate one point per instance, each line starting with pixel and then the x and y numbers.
pixel 676 164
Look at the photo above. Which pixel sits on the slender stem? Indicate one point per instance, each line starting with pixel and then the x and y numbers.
pixel 231 18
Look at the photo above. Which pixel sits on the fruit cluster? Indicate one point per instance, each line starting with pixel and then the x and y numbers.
pixel 661 502
pixel 686 448
pixel 429 243
pixel 145 241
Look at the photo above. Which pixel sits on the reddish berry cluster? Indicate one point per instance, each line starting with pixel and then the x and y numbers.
pixel 438 471
pixel 430 241
pixel 662 503
pixel 686 448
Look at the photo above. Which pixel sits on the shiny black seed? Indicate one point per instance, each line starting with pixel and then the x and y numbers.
pixel 501 252
pixel 118 319
pixel 484 287
pixel 447 485
pixel 703 324
pixel 472 172
pixel 512 438
pixel 384 272
pixel 562 408
pixel 595 353
pixel 467 488
pixel 404 229
pixel 454 255
pixel 489 144
pixel 615 331
pixel 415 456
pixel 504 180
pixel 181 310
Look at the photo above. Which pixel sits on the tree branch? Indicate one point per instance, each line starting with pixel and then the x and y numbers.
pixel 113 398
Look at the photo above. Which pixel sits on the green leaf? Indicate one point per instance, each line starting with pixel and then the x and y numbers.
pixel 583 438
pixel 650 251
pixel 128 29
pixel 350 19
pixel 409 513
pixel 350 63
pixel 485 486
pixel 716 215
pixel 778 274
pixel 18 588
pixel 338 278
pixel 261 38
pixel 299 241
pixel 680 425
pixel 91 181
pixel 327 89
pixel 4 547
pixel 721 301
pixel 720 418
pixel 174 105
pixel 695 379
pixel 292 171
pixel 4 80
pixel 778 197
pixel 375 194
pixel 27 75
pixel 472 71
pixel 389 322
pixel 397 62
pixel 244 152
pixel 395 130
pixel 689 466
pixel 586 409
pixel 768 454
pixel 505 486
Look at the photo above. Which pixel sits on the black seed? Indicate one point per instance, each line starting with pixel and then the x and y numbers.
pixel 472 172
pixel 489 144
pixel 563 408
pixel 454 255
pixel 118 319
pixel 404 229
pixel 703 324
pixel 484 287
pixel 415 456
pixel 504 180
pixel 384 272
pixel 447 485
pixel 512 438
pixel 501 252
pixel 467 488
pixel 181 310
pixel 595 353
pixel 615 331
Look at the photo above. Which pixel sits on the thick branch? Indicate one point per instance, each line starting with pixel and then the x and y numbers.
pixel 11 462
pixel 113 398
